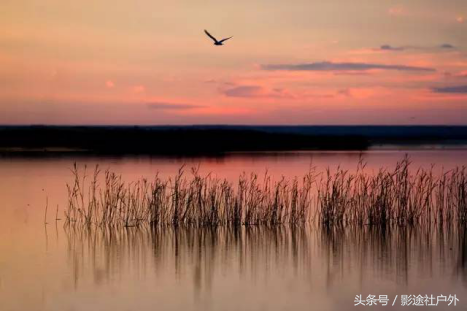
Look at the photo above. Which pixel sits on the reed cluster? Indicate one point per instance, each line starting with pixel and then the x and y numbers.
pixel 393 196
pixel 396 196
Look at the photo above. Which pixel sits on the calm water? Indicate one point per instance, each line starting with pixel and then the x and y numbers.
pixel 281 268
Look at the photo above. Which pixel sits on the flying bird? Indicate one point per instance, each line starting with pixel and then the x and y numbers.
pixel 216 42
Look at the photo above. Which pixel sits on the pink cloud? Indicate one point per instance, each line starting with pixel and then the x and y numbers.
pixel 138 88
pixel 398 10
pixel 460 74
pixel 109 84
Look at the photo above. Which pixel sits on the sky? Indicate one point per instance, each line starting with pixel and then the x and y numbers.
pixel 307 62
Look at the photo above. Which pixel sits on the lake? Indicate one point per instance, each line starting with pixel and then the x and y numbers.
pixel 57 267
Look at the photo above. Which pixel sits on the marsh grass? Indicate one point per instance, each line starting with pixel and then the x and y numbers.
pixel 398 196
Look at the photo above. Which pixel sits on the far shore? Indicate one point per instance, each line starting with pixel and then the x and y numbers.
pixel 218 140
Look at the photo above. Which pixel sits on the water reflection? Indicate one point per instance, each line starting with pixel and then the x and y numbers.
pixel 314 254
pixel 225 268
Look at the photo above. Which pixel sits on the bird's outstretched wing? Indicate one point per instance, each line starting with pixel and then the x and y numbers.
pixel 225 39
pixel 210 36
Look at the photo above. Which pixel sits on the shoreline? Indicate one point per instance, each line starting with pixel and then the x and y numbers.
pixel 222 140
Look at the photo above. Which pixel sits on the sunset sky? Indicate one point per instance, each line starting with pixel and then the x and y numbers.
pixel 290 62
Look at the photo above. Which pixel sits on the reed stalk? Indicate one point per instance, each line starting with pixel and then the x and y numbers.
pixel 399 196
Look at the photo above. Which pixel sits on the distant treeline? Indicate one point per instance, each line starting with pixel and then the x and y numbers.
pixel 216 139
pixel 144 140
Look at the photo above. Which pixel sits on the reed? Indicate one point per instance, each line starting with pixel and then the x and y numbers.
pixel 398 196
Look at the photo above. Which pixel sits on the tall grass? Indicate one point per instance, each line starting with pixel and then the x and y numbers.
pixel 398 196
